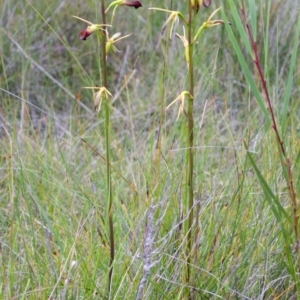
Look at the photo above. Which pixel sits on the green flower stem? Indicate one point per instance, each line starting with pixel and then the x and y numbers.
pixel 190 142
pixel 109 194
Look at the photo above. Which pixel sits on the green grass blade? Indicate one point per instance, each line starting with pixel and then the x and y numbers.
pixel 289 84
pixel 245 68
pixel 277 209
pixel 279 212
pixel 266 41
pixel 240 27
pixel 253 18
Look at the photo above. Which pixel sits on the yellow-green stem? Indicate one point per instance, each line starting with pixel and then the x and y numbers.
pixel 190 157
pixel 109 194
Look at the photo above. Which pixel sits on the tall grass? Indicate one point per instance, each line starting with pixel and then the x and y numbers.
pixel 54 233
pixel 282 215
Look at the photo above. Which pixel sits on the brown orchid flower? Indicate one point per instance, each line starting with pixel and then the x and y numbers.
pixel 206 3
pixel 115 4
pixel 84 34
pixel 135 4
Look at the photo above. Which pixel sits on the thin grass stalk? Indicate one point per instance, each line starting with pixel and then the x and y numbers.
pixel 285 160
pixel 190 154
pixel 109 194
pixel 159 137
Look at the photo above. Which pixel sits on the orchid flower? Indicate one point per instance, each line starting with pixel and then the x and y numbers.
pixel 173 19
pixel 196 4
pixel 208 23
pixel 186 46
pixel 102 93
pixel 115 38
pixel 135 4
pixel 181 98
pixel 116 4
pixel 84 34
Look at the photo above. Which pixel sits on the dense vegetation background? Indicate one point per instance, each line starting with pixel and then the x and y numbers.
pixel 53 227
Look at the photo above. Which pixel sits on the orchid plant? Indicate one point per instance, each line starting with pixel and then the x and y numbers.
pixel 189 42
pixel 103 95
